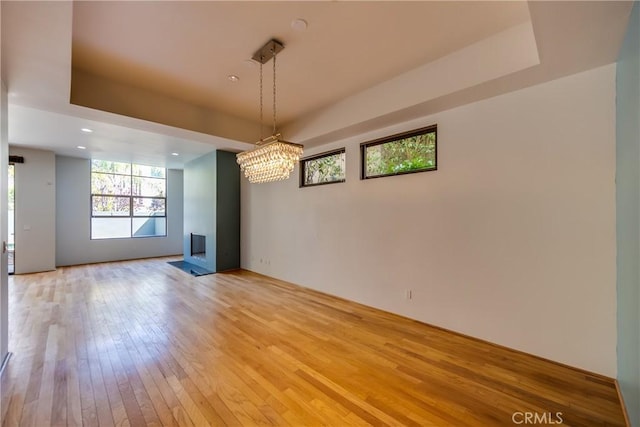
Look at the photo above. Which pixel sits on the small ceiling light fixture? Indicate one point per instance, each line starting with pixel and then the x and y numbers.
pixel 82 147
pixel 272 159
pixel 175 154
pixel 233 78
pixel 299 24
pixel 86 130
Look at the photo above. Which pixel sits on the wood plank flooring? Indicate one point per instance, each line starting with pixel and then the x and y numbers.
pixel 142 343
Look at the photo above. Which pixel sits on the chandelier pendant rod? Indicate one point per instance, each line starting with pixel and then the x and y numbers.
pixel 274 91
pixel 261 102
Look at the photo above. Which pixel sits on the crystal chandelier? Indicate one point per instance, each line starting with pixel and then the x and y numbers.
pixel 272 159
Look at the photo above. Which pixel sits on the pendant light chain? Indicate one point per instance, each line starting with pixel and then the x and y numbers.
pixel 274 91
pixel 261 136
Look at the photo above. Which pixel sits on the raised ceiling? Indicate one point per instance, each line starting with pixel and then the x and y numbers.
pixel 160 68
pixel 186 50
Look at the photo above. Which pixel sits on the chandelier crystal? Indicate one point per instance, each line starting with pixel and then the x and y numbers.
pixel 272 159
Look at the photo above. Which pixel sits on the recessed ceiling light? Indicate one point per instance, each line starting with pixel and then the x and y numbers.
pixel 175 154
pixel 299 24
pixel 87 130
pixel 233 78
pixel 82 147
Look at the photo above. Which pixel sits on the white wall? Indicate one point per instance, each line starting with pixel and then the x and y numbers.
pixel 35 210
pixel 628 216
pixel 512 240
pixel 4 285
pixel 74 245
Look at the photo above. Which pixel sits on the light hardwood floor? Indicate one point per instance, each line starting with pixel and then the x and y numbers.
pixel 143 343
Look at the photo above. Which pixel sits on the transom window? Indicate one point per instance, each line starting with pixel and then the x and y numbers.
pixel 127 200
pixel 408 152
pixel 325 168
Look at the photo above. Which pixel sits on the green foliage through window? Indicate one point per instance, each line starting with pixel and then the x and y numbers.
pixel 127 200
pixel 409 152
pixel 323 168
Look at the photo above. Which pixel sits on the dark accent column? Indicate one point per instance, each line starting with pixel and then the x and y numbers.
pixel 228 212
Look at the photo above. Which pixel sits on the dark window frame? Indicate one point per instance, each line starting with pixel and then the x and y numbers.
pixel 329 153
pixel 131 197
pixel 394 138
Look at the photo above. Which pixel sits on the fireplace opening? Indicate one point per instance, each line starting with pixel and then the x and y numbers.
pixel 198 246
